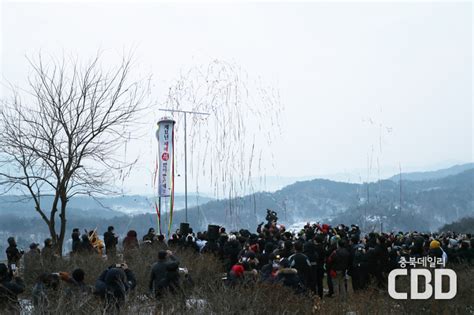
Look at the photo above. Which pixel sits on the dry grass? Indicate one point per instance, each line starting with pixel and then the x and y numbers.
pixel 209 295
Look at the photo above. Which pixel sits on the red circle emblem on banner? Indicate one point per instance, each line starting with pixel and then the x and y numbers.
pixel 165 156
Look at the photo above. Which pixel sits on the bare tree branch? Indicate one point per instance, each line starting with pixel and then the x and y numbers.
pixel 63 140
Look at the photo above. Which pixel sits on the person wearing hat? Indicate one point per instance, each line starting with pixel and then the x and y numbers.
pixel 10 286
pixel 435 250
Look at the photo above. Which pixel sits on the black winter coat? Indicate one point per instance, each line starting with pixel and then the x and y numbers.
pixel 9 291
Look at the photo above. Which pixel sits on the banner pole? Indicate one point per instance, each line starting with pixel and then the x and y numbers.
pixel 185 172
pixel 159 214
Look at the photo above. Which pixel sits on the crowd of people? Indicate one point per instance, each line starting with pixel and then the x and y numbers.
pixel 307 261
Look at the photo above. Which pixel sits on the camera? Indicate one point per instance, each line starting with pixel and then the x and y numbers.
pixel 271 216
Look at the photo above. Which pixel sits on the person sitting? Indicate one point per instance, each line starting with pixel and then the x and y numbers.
pixel 288 277
pixel 10 286
pixel 45 283
pixel 269 270
pixel 235 275
pixel 75 281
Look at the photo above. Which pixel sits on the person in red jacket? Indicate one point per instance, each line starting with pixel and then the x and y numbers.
pixel 130 244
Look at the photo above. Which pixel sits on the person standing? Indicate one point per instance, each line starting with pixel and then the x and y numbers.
pixel 300 262
pixel 76 240
pixel 130 246
pixel 111 241
pixel 48 256
pixel 338 262
pixel 13 255
pixel 150 236
pixel 32 264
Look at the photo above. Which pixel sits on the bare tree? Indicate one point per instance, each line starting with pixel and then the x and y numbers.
pixel 228 146
pixel 61 138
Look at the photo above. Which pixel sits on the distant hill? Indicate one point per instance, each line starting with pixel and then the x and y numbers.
pixel 84 206
pixel 425 205
pixel 454 170
pixel 465 225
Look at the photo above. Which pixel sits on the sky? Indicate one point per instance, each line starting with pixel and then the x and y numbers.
pixel 365 86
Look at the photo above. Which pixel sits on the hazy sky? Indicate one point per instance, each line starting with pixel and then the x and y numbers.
pixel 338 66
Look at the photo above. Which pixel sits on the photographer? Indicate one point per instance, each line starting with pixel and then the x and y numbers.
pixel 159 277
pixel 114 284
pixel 10 286
pixel 150 237
pixel 271 216
pixel 13 254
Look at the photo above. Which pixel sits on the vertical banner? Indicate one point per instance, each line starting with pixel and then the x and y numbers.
pixel 157 199
pixel 165 136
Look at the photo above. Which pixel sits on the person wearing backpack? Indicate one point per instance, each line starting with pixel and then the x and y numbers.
pixel 338 263
pixel 300 262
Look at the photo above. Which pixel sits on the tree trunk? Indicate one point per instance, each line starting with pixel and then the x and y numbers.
pixel 62 232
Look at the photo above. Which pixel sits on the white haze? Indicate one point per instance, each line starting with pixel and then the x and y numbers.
pixel 367 87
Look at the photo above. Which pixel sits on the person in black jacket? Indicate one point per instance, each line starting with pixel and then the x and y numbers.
pixel 76 240
pixel 338 261
pixel 310 250
pixel 10 286
pixel 359 270
pixel 150 237
pixel 13 254
pixel 330 248
pixel 300 262
pixel 114 284
pixel 319 248
pixel 86 247
pixel 111 241
pixel 159 272
pixel 380 257
pixel 232 249
pixel 171 281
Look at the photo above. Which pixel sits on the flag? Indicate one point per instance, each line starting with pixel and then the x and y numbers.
pixel 165 136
